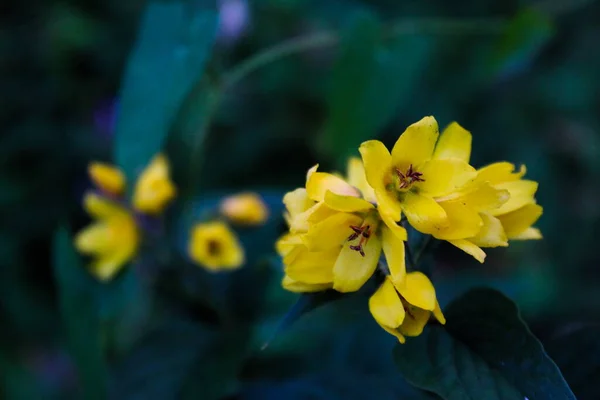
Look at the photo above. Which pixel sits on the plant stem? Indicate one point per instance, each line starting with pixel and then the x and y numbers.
pixel 423 26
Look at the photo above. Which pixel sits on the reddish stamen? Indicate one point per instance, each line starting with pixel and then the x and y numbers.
pixel 411 176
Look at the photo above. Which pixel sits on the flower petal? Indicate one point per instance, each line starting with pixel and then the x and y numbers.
pixel 386 307
pixel 491 234
pixel 297 202
pixel 464 222
pixel 215 246
pixel 358 179
pixel 377 163
pixel 105 268
pixel 454 142
pixel 417 290
pixel 424 214
pixel 352 270
pixel 416 144
pixel 470 248
pixel 331 232
pixel 393 248
pixel 438 314
pixel 518 221
pixel 108 178
pixel 394 332
pixel 301 287
pixel 521 193
pixel 93 239
pixel 286 243
pixel 244 208
pixel 313 266
pixel 318 183
pixel 346 203
pixel 392 225
pixel 301 222
pixel 480 197
pixel 500 172
pixel 442 177
pixel 154 189
pixel 528 234
pixel 100 207
pixel 415 321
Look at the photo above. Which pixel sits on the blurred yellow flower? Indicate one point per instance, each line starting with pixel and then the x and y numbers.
pixel 244 209
pixel 214 246
pixel 336 236
pixel 107 178
pixel 113 239
pixel 403 309
pixel 154 188
pixel 411 177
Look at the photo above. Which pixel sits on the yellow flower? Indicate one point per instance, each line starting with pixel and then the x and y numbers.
pixel 411 177
pixel 113 239
pixel 107 178
pixel 245 209
pixel 403 309
pixel 215 246
pixel 499 198
pixel 154 188
pixel 336 236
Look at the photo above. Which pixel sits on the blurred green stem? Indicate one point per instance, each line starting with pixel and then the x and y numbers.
pixel 425 26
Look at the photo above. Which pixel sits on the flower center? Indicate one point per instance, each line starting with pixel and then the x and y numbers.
pixel 361 234
pixel 213 247
pixel 405 180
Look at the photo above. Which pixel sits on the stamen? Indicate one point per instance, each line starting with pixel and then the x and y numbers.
pixel 364 232
pixel 411 176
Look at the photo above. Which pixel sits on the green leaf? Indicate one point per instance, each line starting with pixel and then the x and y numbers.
pixel 174 43
pixel 484 352
pixel 522 40
pixel 352 73
pixel 78 307
pixel 577 353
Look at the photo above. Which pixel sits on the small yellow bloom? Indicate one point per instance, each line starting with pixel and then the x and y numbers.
pixel 215 246
pixel 336 236
pixel 404 308
pixel 113 239
pixel 107 178
pixel 154 188
pixel 245 209
pixel 411 177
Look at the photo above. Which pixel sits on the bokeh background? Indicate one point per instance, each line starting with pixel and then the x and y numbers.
pixel 522 76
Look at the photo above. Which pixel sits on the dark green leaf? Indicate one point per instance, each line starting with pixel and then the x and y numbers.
pixel 485 352
pixel 577 353
pixel 76 290
pixel 174 42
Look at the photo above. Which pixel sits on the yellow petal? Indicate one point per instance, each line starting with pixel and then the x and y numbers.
pixel 106 268
pixel 464 222
pixel 244 209
pixel 313 267
pixel 319 183
pixel 286 243
pixel 518 221
pixel 481 197
pixel 214 246
pixel 297 202
pixel 417 290
pixel 393 248
pixel 107 178
pixel 454 142
pixel 521 194
pixel 528 234
pixel 331 232
pixel 318 212
pixel 470 248
pixel 358 179
pixel 416 144
pixel 438 314
pixel 394 332
pixel 352 270
pixel 377 163
pixel 346 203
pixel 386 307
pixel 415 321
pixel 392 224
pixel 94 239
pixel 100 207
pixel 424 214
pixel 301 287
pixel 500 172
pixel 154 188
pixel 442 177
pixel 491 234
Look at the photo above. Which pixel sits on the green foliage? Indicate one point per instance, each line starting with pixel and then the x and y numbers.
pixel 485 350
pixel 173 46
pixel 79 313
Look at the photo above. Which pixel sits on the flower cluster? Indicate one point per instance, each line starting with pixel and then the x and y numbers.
pixel 214 245
pixel 339 228
pixel 114 238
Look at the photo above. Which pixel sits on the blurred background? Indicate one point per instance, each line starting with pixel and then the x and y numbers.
pixel 522 76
